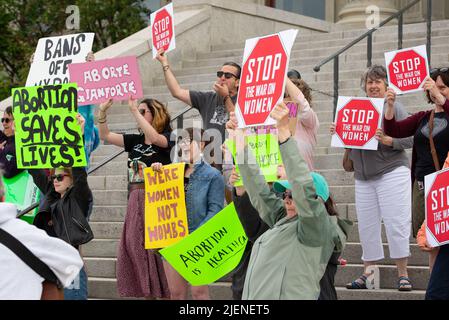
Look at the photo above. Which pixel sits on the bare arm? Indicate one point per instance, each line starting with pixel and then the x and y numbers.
pixel 172 84
pixel 105 135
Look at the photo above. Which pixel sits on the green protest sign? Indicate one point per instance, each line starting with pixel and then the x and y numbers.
pixel 47 133
pixel 211 251
pixel 22 191
pixel 265 149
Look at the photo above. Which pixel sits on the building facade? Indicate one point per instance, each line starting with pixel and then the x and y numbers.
pixel 346 11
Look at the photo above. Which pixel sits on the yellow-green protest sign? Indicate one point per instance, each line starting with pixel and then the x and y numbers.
pixel 47 133
pixel 212 251
pixel 265 149
pixel 165 206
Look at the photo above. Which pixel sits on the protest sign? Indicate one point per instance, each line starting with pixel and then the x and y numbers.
pixel 99 81
pixel 163 29
pixel 262 82
pixel 212 251
pixel 53 56
pixel 22 191
pixel 437 207
pixel 356 123
pixel 47 132
pixel 165 206
pixel 265 149
pixel 407 69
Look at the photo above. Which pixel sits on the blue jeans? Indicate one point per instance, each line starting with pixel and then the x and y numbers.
pixel 78 288
pixel 438 288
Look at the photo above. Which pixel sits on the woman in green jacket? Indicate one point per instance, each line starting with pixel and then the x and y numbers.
pixel 289 260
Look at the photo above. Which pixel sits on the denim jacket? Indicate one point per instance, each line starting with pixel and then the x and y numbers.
pixel 204 195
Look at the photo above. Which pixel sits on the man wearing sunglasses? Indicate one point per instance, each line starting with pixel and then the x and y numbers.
pixel 7 145
pixel 214 106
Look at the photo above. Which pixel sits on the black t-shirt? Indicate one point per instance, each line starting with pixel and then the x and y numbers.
pixel 141 155
pixel 424 161
pixel 212 109
pixel 8 159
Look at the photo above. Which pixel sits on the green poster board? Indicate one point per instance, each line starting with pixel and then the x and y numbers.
pixel 47 133
pixel 211 251
pixel 265 149
pixel 22 191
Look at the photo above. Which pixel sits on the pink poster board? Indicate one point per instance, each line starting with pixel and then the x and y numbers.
pixel 117 78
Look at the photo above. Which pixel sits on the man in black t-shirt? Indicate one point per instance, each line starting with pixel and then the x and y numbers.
pixel 214 106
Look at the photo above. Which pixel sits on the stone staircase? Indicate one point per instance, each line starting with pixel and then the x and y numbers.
pixel 109 183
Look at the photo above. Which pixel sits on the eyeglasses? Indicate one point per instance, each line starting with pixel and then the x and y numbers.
pixel 6 120
pixel 227 75
pixel 439 70
pixel 58 177
pixel 184 142
pixel 287 194
pixel 142 111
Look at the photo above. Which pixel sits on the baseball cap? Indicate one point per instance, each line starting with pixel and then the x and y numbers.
pixel 320 183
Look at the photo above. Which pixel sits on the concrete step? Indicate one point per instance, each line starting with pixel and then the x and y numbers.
pixel 419 276
pixel 382 294
pixel 107 230
pixel 117 168
pixel 106 182
pixel 100 248
pixel 109 213
pixel 383 45
pixel 354 236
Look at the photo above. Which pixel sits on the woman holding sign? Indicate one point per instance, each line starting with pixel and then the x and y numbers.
pixel 204 192
pixel 140 272
pixel 430 131
pixel 382 190
pixel 64 211
pixel 289 260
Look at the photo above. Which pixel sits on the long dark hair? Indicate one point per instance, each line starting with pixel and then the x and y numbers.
pixel 161 117
pixel 434 75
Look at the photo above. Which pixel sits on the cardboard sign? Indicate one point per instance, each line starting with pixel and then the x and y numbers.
pixel 437 207
pixel 212 251
pixel 356 121
pixel 22 191
pixel 163 29
pixel 407 69
pixel 262 82
pixel 165 206
pixel 53 56
pixel 98 81
pixel 47 132
pixel 265 149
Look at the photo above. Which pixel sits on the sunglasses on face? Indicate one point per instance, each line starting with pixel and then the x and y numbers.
pixel 6 120
pixel 287 194
pixel 227 75
pixel 439 70
pixel 58 177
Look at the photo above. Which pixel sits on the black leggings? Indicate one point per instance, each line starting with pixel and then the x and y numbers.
pixel 438 288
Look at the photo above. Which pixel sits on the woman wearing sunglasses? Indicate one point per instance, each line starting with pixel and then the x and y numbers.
pixel 140 272
pixel 64 210
pixel 8 160
pixel 427 127
pixel 288 260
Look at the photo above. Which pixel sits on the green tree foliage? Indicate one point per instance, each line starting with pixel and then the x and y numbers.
pixel 24 22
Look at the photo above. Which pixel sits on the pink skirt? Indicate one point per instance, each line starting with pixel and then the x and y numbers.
pixel 140 272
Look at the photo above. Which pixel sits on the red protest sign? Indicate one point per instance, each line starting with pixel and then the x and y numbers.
pixel 437 208
pixel 356 122
pixel 163 29
pixel 265 62
pixel 407 69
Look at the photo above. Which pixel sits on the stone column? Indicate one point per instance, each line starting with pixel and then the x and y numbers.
pixel 354 11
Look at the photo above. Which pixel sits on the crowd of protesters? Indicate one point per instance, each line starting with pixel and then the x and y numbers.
pixel 295 236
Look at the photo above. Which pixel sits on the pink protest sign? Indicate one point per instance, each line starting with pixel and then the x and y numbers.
pixel 117 78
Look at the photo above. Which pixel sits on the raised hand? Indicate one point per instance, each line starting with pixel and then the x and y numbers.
pixel 221 89
pixel 162 57
pixel 106 105
pixel 157 166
